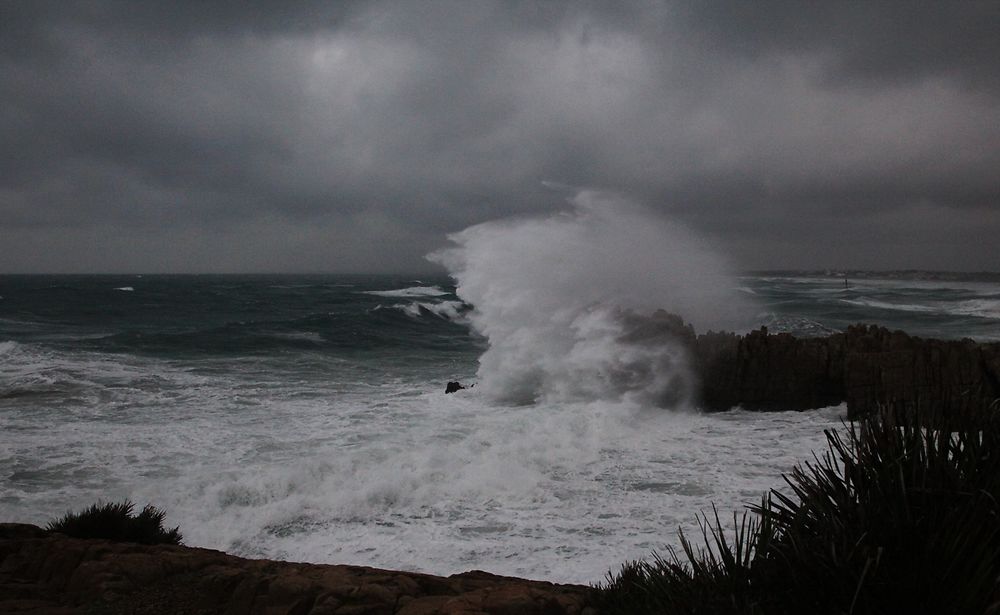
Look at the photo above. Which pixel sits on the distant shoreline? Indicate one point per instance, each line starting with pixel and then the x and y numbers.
pixel 889 274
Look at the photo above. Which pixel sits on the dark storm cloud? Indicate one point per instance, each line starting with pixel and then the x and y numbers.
pixel 354 135
pixel 869 43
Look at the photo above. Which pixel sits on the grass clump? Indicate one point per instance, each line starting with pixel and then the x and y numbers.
pixel 115 521
pixel 893 518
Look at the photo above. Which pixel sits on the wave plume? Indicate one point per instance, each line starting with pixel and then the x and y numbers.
pixel 566 301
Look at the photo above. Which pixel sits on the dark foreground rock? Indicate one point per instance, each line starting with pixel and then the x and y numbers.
pixel 866 366
pixel 44 572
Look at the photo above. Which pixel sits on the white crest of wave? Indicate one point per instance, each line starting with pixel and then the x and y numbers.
pixel 413 291
pixel 567 301
pixel 448 310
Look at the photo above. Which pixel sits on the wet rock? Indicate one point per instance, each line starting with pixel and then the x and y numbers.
pixel 764 371
pixel 451 387
pixel 866 366
pixel 46 572
pixel 926 377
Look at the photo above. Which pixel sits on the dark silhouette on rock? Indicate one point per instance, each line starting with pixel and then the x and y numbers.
pixel 451 387
pixel 866 366
pixel 50 573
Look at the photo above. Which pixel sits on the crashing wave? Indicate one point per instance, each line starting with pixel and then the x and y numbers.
pixel 566 302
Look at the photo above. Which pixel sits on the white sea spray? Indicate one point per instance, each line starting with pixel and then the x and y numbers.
pixel 561 299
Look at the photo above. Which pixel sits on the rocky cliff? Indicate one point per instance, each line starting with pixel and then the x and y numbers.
pixel 45 572
pixel 866 366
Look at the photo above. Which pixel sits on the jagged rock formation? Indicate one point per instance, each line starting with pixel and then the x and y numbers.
pixel 866 366
pixel 45 572
pixel 762 371
pixel 923 375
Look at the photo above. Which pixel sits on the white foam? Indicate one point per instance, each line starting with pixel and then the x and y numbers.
pixel 562 492
pixel 413 291
pixel 561 298
pixel 84 380
pixel 448 310
pixel 125 288
pixel 268 463
pixel 885 305
pixel 982 308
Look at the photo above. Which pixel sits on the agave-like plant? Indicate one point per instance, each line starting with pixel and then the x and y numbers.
pixel 895 516
pixel 720 576
pixel 115 521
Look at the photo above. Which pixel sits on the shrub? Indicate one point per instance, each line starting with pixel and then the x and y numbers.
pixel 717 578
pixel 115 521
pixel 894 517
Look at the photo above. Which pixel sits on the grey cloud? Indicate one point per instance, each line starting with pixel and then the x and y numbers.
pixel 869 43
pixel 239 132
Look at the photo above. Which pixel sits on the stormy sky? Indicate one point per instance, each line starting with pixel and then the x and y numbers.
pixel 353 136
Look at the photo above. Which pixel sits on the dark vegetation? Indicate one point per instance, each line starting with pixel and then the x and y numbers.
pixel 893 518
pixel 115 521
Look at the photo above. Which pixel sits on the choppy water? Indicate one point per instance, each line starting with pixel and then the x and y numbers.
pixel 303 417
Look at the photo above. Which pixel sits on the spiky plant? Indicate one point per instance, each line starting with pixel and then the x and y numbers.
pixel 718 577
pixel 115 521
pixel 894 517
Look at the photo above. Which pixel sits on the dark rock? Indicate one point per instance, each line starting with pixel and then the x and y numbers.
pixel 926 377
pixel 46 572
pixel 866 366
pixel 451 387
pixel 763 371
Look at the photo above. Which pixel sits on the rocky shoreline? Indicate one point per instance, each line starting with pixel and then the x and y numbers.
pixel 867 366
pixel 44 572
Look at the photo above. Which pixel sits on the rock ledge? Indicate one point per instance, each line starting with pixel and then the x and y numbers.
pixel 45 572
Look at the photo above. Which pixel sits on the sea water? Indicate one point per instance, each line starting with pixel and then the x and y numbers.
pixel 303 417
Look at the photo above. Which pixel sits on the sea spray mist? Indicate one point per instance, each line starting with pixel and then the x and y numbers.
pixel 558 298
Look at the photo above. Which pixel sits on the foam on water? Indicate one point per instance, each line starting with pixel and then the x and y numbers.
pixel 557 494
pixel 885 305
pixel 449 310
pixel 413 291
pixel 424 481
pixel 981 308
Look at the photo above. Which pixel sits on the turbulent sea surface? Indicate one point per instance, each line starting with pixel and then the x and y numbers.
pixel 304 417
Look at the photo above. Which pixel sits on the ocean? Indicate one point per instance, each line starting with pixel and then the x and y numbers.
pixel 303 417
